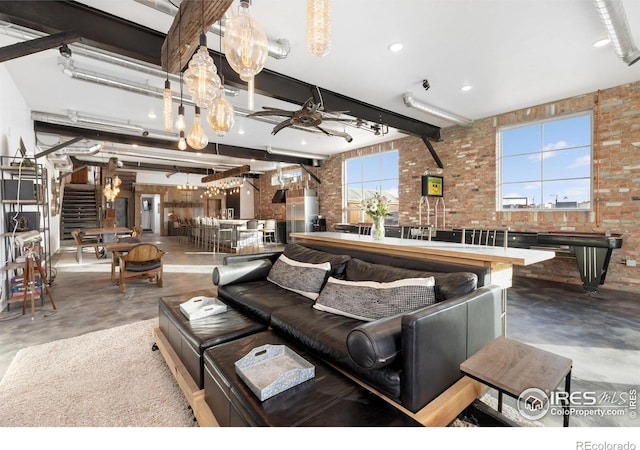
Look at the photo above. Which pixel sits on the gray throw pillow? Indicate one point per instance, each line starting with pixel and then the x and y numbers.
pixel 370 300
pixel 303 278
pixel 310 255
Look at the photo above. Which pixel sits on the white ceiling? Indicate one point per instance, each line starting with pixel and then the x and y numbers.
pixel 515 53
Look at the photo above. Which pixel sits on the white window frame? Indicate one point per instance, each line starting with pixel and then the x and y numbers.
pixel 500 201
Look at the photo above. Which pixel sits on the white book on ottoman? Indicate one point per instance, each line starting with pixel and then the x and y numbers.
pixel 200 306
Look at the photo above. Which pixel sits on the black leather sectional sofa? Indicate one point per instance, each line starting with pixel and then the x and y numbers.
pixel 410 357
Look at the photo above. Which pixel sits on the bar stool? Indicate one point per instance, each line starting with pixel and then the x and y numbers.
pixel 253 233
pixel 220 234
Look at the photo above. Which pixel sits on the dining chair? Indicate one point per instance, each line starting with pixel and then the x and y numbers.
pixel 85 242
pixel 142 261
pixel 269 231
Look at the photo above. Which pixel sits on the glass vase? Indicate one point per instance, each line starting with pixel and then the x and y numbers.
pixel 377 228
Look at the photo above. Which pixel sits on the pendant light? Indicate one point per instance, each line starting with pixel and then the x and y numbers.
pixel 319 27
pixel 201 77
pixel 246 46
pixel 220 114
pixel 167 98
pixel 197 138
pixel 181 123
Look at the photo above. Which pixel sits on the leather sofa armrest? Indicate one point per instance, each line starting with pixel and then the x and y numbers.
pixel 241 272
pixel 436 340
pixel 376 344
pixel 235 259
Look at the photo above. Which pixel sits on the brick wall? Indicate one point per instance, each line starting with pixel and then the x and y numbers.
pixel 469 159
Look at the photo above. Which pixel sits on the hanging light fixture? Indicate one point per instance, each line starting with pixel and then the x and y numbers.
pixel 319 27
pixel 220 114
pixel 246 46
pixel 167 98
pixel 181 123
pixel 112 189
pixel 201 77
pixel 197 138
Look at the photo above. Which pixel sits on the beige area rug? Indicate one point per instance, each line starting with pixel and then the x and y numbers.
pixel 109 378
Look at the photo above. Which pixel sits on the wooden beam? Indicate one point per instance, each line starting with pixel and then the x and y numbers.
pixel 226 174
pixel 183 37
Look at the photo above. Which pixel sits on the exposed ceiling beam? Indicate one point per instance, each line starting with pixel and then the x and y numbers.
pixel 183 37
pixel 21 49
pixel 311 174
pixel 212 148
pixel 120 36
pixel 142 166
pixel 238 171
pixel 58 147
pixel 432 150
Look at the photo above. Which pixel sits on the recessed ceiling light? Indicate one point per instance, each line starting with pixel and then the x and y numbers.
pixel 395 47
pixel 601 42
pixel 240 131
pixel 466 87
pixel 303 142
pixel 151 115
pixel 134 145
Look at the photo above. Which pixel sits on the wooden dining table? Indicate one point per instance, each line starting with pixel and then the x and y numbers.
pixel 107 234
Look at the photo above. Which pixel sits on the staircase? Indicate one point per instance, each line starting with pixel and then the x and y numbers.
pixel 79 209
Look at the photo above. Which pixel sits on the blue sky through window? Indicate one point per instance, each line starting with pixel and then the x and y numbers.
pixel 547 164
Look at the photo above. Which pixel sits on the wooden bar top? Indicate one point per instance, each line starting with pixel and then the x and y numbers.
pixel 513 366
pixel 434 249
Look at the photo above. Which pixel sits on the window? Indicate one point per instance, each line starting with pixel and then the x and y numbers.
pixel 366 176
pixel 545 165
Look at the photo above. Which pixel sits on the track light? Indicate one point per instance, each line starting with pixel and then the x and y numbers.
pixel 65 51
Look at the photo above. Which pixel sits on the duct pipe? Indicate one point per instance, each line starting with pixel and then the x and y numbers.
pixel 278 49
pixel 437 112
pixel 615 23
pixel 25 34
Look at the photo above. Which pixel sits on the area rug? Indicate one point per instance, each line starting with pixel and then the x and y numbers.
pixel 109 378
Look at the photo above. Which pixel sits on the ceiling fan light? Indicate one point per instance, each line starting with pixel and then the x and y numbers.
pixel 197 138
pixel 319 27
pixel 201 77
pixel 220 115
pixel 246 46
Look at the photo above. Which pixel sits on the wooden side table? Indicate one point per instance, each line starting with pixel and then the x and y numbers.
pixel 512 367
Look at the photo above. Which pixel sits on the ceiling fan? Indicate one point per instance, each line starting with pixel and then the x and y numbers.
pixel 310 115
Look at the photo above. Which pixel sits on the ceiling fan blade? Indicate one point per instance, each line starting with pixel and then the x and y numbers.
pixel 335 112
pixel 281 125
pixel 324 131
pixel 279 112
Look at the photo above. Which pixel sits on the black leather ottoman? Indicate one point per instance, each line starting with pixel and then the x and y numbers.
pixel 190 339
pixel 329 399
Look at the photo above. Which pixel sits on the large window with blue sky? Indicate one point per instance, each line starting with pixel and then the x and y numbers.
pixel 546 165
pixel 364 178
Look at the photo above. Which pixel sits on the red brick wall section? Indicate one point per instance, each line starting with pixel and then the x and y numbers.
pixel 469 159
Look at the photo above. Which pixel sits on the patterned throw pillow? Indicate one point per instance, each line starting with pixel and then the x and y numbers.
pixel 370 300
pixel 304 278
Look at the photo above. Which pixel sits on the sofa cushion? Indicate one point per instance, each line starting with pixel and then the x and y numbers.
pixel 371 300
pixel 303 278
pixel 447 284
pixel 327 334
pixel 309 255
pixel 260 298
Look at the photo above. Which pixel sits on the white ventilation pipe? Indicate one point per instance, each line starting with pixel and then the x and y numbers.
pixel 411 102
pixel 615 22
pixel 278 49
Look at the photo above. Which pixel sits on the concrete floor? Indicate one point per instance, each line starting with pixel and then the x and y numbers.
pixel 600 333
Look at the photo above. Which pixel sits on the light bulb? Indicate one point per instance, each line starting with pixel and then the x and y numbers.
pixel 182 142
pixel 318 27
pixel 167 106
pixel 181 124
pixel 201 77
pixel 220 114
pixel 197 138
pixel 246 46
